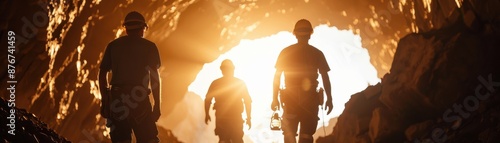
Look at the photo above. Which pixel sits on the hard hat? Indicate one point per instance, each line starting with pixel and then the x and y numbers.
pixel 227 64
pixel 134 20
pixel 303 27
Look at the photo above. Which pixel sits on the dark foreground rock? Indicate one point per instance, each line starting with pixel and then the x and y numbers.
pixel 28 128
pixel 443 86
pixel 167 136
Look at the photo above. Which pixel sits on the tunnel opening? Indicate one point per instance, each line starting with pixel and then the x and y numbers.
pixel 254 60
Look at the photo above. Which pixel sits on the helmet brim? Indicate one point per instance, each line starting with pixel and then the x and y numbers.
pixel 134 24
pixel 302 33
pixel 133 21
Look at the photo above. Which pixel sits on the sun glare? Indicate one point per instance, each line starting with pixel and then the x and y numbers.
pixel 254 61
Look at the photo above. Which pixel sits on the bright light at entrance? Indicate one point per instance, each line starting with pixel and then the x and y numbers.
pixel 254 60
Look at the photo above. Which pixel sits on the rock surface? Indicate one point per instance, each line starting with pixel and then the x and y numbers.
pixel 57 60
pixel 443 86
pixel 28 128
pixel 60 44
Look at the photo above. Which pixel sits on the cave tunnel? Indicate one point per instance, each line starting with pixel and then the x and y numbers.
pixel 406 63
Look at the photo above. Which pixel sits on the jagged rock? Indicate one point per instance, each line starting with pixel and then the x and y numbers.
pixel 28 128
pixel 432 70
pixel 442 87
pixel 358 112
pixel 167 136
pixel 385 126
pixel 418 129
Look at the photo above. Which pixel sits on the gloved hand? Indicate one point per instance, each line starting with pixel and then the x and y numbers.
pixel 156 113
pixel 249 123
pixel 105 101
pixel 275 105
pixel 207 119
pixel 328 106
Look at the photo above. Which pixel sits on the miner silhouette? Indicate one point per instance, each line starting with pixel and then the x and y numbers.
pixel 231 95
pixel 300 64
pixel 133 62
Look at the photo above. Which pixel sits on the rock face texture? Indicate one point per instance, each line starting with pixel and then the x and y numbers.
pixel 27 128
pixel 60 43
pixel 443 86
